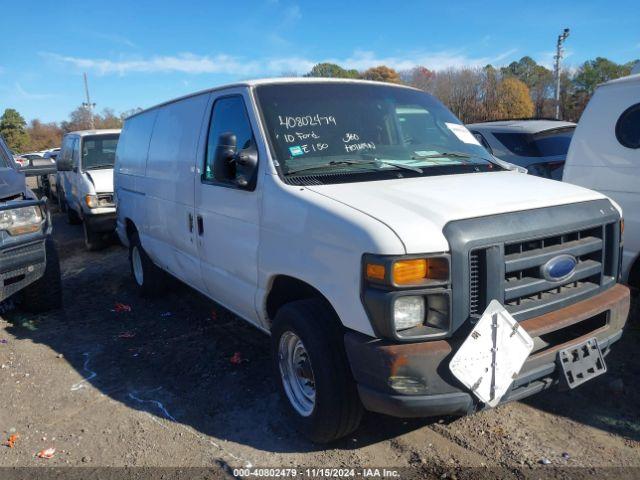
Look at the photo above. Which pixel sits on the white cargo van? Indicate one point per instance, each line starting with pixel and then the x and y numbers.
pixel 605 155
pixel 369 250
pixel 84 182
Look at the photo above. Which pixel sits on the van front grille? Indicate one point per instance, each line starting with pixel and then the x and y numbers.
pixel 525 289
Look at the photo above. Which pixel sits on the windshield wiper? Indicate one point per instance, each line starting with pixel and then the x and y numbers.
pixel 443 154
pixel 334 163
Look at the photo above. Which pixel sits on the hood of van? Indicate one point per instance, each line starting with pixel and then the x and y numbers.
pixel 102 179
pixel 417 209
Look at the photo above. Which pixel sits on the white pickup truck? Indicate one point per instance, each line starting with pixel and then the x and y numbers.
pixel 363 227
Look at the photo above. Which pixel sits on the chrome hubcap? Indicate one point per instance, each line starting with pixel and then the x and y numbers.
pixel 136 263
pixel 297 373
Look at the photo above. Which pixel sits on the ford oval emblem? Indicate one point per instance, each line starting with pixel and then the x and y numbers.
pixel 559 268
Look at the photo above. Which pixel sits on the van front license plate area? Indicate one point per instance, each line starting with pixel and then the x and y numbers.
pixel 581 363
pixel 492 356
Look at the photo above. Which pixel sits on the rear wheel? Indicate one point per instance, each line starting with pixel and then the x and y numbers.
pixel 45 293
pixel 315 378
pixel 150 279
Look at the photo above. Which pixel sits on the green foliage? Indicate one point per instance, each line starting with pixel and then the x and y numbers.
pixel 593 72
pixel 537 78
pixel 13 130
pixel 331 70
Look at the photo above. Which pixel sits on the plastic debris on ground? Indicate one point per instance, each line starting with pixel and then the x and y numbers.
pixel 11 441
pixel 565 455
pixel 236 359
pixel 127 334
pixel 121 308
pixel 29 325
pixel 544 461
pixel 47 453
pixel 4 341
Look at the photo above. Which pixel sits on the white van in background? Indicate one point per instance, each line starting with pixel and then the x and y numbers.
pixel 368 250
pixel 84 184
pixel 605 155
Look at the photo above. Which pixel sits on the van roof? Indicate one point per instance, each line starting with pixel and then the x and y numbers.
pixel 103 131
pixel 272 81
pixel 622 80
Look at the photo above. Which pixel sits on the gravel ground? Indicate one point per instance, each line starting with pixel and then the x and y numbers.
pixel 156 387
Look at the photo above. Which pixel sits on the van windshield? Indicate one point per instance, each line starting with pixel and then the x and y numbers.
pixel 99 151
pixel 353 128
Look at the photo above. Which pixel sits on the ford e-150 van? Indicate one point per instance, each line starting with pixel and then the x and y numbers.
pixel 84 184
pixel 367 248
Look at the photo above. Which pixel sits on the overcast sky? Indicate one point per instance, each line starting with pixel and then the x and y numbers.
pixel 138 53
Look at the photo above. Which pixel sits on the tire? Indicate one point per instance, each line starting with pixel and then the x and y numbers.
pixel 634 309
pixel 92 240
pixel 336 409
pixel 72 216
pixel 45 294
pixel 151 279
pixel 62 205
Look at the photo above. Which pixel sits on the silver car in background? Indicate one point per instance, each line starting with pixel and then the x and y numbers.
pixel 540 146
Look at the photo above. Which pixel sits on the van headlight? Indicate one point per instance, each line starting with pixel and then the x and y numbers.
pixel 408 297
pixel 18 221
pixel 408 312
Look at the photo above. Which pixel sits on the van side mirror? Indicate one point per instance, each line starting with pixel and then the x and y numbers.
pixel 234 166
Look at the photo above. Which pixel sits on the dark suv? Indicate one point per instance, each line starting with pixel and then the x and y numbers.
pixel 28 256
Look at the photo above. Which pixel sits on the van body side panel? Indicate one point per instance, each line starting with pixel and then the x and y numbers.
pixel 129 171
pixel 170 173
pixel 605 164
pixel 320 241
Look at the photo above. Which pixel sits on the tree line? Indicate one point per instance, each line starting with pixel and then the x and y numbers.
pixel 522 89
pixel 22 137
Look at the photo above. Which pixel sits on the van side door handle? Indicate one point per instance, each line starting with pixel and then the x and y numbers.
pixel 200 225
pixel 190 222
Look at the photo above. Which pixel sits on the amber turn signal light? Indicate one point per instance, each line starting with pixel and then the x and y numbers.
pixel 375 271
pixel 407 272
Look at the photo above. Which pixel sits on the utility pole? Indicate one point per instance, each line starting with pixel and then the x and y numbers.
pixel 558 58
pixel 88 105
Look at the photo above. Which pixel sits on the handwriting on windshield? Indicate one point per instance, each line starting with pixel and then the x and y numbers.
pixel 316 120
pixel 356 147
pixel 292 137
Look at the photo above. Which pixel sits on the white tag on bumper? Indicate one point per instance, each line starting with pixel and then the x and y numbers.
pixel 492 356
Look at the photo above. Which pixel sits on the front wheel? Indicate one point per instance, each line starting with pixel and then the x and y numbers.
pixel 92 240
pixel 62 205
pixel 312 366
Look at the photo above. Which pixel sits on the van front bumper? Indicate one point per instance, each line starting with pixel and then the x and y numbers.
pixel 20 265
pixel 413 379
pixel 101 222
